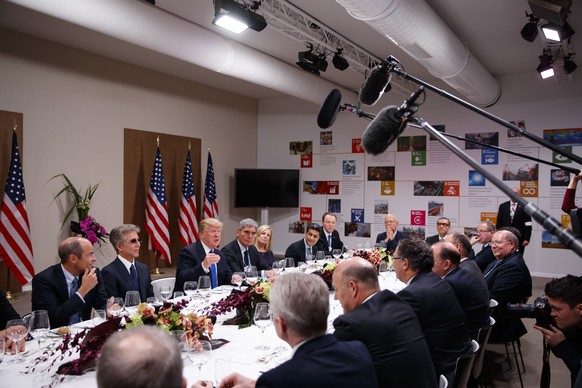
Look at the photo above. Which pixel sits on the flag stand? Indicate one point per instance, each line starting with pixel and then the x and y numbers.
pixel 157 270
pixel 11 298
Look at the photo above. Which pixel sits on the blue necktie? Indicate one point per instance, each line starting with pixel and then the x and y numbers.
pixel 329 241
pixel 492 268
pixel 213 279
pixel 76 317
pixel 134 281
pixel 246 258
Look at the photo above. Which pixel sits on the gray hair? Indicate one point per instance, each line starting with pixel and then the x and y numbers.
pixel 489 225
pixel 302 300
pixel 464 243
pixel 143 356
pixel 507 235
pixel 247 222
pixel 70 246
pixel 117 233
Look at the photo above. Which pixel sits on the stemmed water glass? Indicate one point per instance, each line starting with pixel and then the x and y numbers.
pixel 166 292
pixel 115 307
pixel 336 253
pixel 16 331
pixel 200 353
pixel 383 269
pixel 132 300
pixel 289 262
pixel 238 278
pixel 190 288
pixel 252 274
pixel 204 287
pixel 262 319
pixel 39 325
pixel 320 256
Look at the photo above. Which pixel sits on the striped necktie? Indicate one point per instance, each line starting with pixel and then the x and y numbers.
pixel 492 268
pixel 76 317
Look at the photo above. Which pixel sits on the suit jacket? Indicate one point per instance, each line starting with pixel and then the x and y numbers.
pixel 392 244
pixel 7 312
pixel 432 239
pixel 190 266
pixel 484 257
pixel 472 267
pixel 323 244
pixel 50 293
pixel 473 298
pixel 235 261
pixel 297 251
pixel 521 220
pixel 118 280
pixel 441 318
pixel 323 362
pixel 390 330
pixel 509 282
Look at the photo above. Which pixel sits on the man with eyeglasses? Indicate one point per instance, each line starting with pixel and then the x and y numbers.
pixel 484 257
pixel 443 226
pixel 241 252
pixel 392 236
pixel 301 249
pixel 509 281
pixel 125 273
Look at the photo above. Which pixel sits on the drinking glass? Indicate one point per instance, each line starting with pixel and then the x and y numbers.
pixel 39 325
pixel 153 301
pixel 320 256
pixel 238 278
pixel 132 300
pixel 16 330
pixel 2 348
pixel 166 292
pixel 200 353
pixel 115 307
pixel 302 266
pixel 309 258
pixel 204 287
pixel 262 319
pixel 178 294
pixel 180 338
pixel 383 270
pixel 289 262
pixel 190 288
pixel 98 316
pixel 222 368
pixel 336 253
pixel 252 274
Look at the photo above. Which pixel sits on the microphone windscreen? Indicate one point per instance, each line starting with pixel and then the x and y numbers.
pixel 382 131
pixel 374 86
pixel 329 110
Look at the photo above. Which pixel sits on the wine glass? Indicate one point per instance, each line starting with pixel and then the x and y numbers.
pixel 320 256
pixel 289 262
pixel 204 287
pixel 178 294
pixel 252 274
pixel 16 330
pixel 39 325
pixel 97 317
pixel 132 300
pixel 115 307
pixel 200 353
pixel 238 278
pixel 262 319
pixel 190 288
pixel 383 270
pixel 166 292
pixel 336 253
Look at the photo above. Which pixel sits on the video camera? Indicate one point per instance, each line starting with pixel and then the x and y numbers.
pixel 540 310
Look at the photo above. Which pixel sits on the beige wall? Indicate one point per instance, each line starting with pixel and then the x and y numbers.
pixel 75 107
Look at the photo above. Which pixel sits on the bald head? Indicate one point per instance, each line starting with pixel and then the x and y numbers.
pixel 354 281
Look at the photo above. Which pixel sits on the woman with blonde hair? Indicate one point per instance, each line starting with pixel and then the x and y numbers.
pixel 263 241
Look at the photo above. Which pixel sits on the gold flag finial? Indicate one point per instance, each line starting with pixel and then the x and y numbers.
pixel 158 140
pixel 15 125
pixel 189 145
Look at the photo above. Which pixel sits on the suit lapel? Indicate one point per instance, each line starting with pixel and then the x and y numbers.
pixel 123 273
pixel 62 282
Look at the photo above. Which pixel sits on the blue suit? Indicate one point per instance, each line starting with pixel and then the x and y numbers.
pixel 118 280
pixel 297 251
pixel 324 362
pixel 235 261
pixel 190 266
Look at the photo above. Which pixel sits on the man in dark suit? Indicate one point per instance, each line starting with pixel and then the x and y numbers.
pixel 298 249
pixel 433 300
pixel 69 290
pixel 330 238
pixel 443 226
pixel 513 214
pixel 125 273
pixel 509 281
pixel 473 298
pixel 203 258
pixel 463 246
pixel 384 323
pixel 485 231
pixel 300 306
pixel 241 252
pixel 391 237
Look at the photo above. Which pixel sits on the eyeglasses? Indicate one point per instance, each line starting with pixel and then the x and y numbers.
pixel 496 243
pixel 397 258
pixel 248 232
pixel 443 224
pixel 134 241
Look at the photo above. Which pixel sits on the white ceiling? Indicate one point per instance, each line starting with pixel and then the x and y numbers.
pixel 490 29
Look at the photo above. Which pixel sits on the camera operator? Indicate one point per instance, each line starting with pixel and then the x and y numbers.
pixel 565 338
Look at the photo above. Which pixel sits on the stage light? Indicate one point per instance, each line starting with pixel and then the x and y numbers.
pixel 236 17
pixel 557 33
pixel 545 67
pixel 340 62
pixel 569 65
pixel 529 32
pixel 312 62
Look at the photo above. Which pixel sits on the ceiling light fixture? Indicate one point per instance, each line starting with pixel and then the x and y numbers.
pixel 556 32
pixel 339 62
pixel 237 17
pixel 312 62
pixel 529 32
pixel 545 67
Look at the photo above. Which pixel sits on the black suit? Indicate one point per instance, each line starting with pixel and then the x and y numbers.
pixel 509 282
pixel 392 244
pixel 473 298
pixel 484 257
pixel 441 318
pixel 118 280
pixel 390 330
pixel 235 261
pixel 190 266
pixel 323 245
pixel 521 221
pixel 50 293
pixel 323 362
pixel 472 267
pixel 430 240
pixel 297 251
pixel 7 312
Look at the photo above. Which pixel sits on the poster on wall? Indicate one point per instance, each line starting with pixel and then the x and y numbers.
pixel 564 137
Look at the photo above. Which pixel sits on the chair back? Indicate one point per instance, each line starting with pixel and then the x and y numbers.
pixel 443 382
pixel 465 366
pixel 492 304
pixel 483 340
pixel 164 282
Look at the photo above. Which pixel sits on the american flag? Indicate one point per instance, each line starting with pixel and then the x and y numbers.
pixel 15 244
pixel 188 223
pixel 157 225
pixel 210 205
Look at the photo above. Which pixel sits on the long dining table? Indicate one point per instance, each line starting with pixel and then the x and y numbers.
pixel 238 354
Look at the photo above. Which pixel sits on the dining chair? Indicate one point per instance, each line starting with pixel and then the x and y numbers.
pixel 465 366
pixel 483 340
pixel 164 282
pixel 443 382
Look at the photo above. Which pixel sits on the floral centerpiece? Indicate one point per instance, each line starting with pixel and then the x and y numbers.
pixel 87 226
pixel 243 301
pixel 375 256
pixel 326 273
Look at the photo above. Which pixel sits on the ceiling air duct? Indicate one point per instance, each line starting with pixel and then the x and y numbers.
pixel 421 33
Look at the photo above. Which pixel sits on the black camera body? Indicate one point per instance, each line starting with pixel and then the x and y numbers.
pixel 540 309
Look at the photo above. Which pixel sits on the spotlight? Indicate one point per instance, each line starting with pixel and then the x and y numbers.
pixel 545 67
pixel 312 62
pixel 569 65
pixel 529 32
pixel 236 17
pixel 557 33
pixel 340 62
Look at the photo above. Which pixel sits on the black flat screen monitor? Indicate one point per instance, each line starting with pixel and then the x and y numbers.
pixel 261 188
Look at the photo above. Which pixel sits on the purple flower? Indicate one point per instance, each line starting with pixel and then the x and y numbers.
pixel 91 236
pixel 86 223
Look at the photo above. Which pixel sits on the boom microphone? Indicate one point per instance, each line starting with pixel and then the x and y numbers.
pixel 375 84
pixel 329 110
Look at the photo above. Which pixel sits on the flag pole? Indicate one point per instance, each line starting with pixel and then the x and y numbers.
pixel 9 296
pixel 157 270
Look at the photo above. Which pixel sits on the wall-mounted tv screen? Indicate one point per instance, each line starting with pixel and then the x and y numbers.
pixel 257 187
